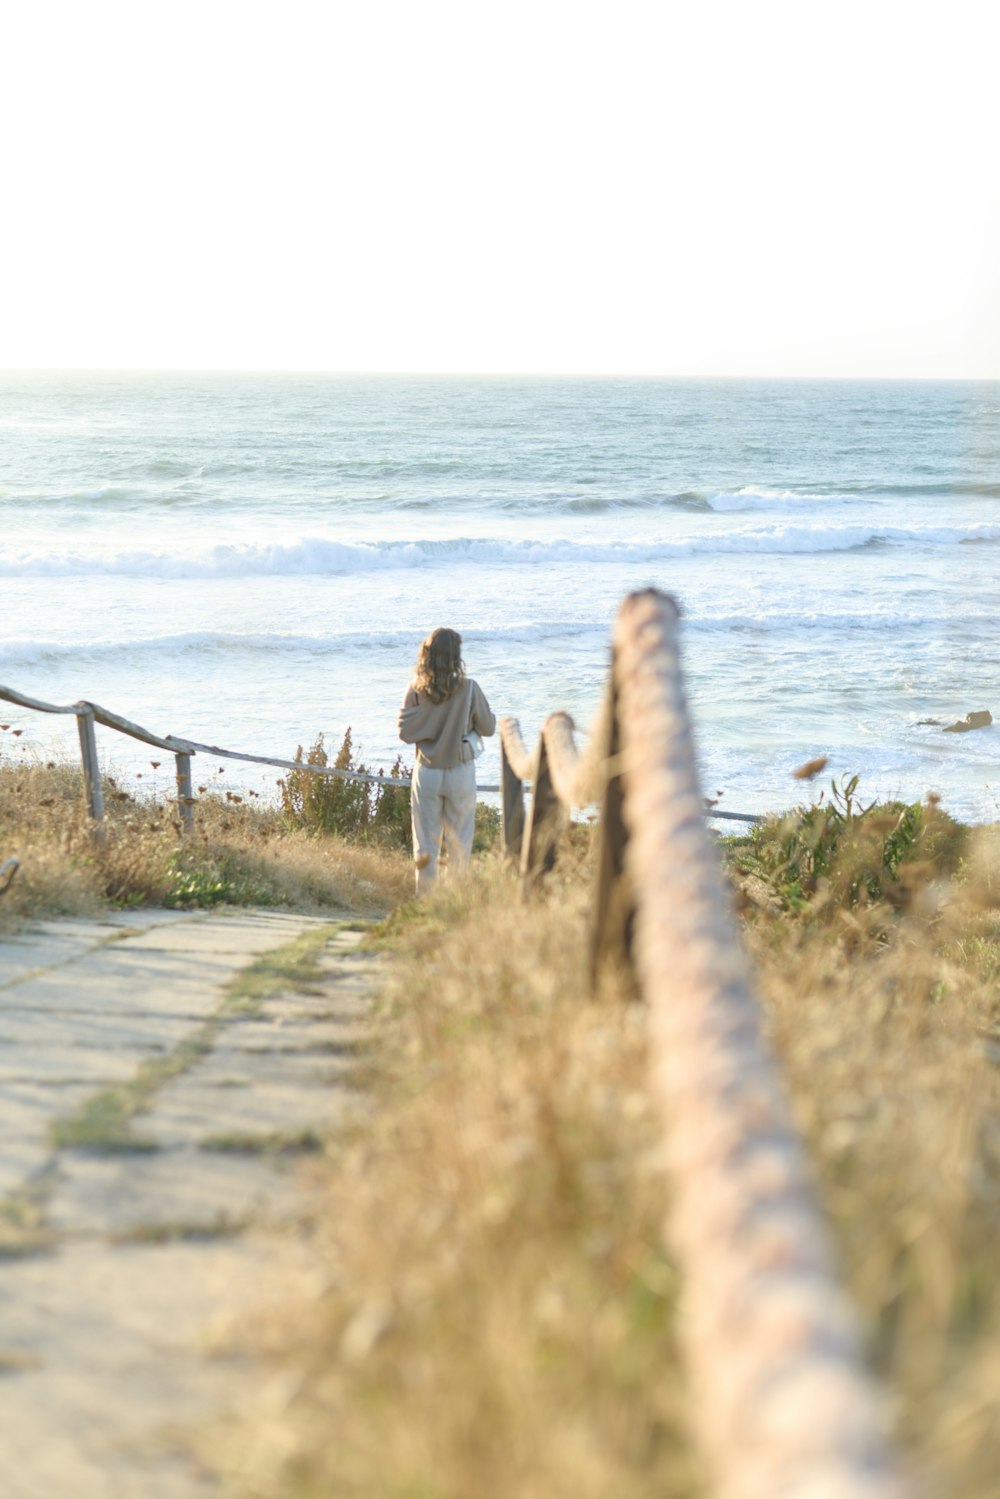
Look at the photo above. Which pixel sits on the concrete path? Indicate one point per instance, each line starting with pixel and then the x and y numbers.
pixel 162 1076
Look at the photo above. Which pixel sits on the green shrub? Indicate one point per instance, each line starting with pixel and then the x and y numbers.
pixel 849 854
pixel 489 827
pixel 355 810
pixel 361 812
pixel 203 877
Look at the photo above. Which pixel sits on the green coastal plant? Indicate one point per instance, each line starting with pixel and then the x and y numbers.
pixel 840 852
pixel 360 811
pixel 488 829
pixel 356 810
pixel 201 876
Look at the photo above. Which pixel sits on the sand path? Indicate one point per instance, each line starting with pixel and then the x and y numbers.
pixel 161 1077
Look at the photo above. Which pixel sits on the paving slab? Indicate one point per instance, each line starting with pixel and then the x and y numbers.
pixel 123 983
pixel 105 1337
pixel 35 948
pixel 169 1193
pixel 120 1349
pixel 21 960
pixel 246 1099
pixel 23 1064
pixel 111 1028
pixel 26 1110
pixel 20 1161
pixel 86 927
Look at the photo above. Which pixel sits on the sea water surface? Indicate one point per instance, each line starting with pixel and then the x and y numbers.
pixel 252 560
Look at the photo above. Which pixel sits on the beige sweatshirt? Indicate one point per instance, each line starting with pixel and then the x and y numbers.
pixel 437 729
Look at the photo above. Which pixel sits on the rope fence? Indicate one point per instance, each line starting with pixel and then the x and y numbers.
pixel 783 1404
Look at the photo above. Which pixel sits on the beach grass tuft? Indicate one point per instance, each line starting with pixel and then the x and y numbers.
pixel 239 852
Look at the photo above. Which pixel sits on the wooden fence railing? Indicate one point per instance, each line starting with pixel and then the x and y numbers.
pixel 785 1407
pixel 90 714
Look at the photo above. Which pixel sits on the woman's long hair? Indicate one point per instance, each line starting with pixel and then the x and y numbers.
pixel 440 670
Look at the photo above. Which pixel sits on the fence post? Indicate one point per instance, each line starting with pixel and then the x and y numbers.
pixel 185 795
pixel 512 805
pixel 91 770
pixel 614 902
pixel 544 823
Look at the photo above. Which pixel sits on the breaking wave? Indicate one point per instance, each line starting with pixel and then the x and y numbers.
pixel 21 655
pixel 325 557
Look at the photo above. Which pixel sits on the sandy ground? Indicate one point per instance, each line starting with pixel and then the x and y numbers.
pixel 125 1267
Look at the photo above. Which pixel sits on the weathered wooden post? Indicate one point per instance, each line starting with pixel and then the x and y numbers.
pixel 512 806
pixel 545 821
pixel 185 794
pixel 91 769
pixel 614 903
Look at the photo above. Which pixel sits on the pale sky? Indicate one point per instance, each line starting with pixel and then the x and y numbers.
pixel 809 188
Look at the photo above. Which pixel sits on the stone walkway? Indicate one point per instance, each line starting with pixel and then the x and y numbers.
pixel 157 1095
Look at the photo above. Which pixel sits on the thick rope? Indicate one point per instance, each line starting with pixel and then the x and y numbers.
pixel 783 1402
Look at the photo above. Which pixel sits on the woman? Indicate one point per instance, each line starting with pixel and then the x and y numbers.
pixel 441 708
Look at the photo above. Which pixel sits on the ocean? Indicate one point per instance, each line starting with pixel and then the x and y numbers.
pixel 252 561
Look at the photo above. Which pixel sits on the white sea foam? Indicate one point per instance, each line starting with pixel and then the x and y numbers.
pixel 775 500
pixel 317 555
pixel 19 655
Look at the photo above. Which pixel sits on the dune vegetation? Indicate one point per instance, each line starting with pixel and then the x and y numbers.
pixel 322 846
pixel 493 1311
pixel 490 1308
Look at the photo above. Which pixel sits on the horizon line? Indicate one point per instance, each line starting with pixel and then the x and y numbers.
pixel 472 374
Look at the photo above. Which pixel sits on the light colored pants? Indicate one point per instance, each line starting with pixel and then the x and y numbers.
pixel 444 805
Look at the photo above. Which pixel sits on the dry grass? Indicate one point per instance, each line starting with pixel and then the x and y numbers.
pixel 241 852
pixel 492 1313
pixel 883 1024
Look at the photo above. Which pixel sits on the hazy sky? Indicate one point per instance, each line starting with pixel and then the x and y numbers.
pixel 689 188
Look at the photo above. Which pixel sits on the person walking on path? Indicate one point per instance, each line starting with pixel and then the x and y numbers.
pixel 442 709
